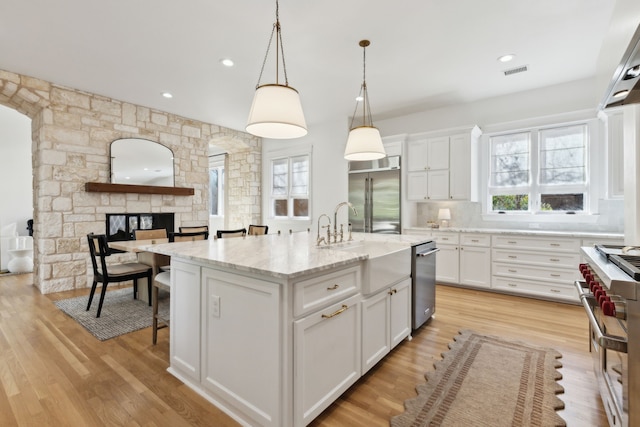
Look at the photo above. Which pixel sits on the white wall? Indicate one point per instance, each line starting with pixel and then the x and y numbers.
pixel 16 177
pixel 329 183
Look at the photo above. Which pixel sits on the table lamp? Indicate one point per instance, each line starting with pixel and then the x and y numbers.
pixel 444 215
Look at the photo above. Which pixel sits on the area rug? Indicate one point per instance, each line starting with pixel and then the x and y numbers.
pixel 120 315
pixel 488 381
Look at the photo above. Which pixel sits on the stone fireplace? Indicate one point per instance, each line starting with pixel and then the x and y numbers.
pixel 71 134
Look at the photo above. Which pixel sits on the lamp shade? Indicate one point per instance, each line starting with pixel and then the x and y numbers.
pixel 276 113
pixel 364 143
pixel 444 213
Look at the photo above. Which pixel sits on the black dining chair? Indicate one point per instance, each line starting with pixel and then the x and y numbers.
pixel 256 230
pixel 113 273
pixel 188 236
pixel 193 228
pixel 241 232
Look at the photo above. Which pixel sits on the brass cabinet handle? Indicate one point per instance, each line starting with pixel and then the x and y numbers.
pixel 554 259
pixel 329 316
pixel 555 275
pixel 555 291
pixel 392 291
pixel 555 244
pixel 512 256
pixel 333 288
pixel 513 285
pixel 511 242
pixel 512 270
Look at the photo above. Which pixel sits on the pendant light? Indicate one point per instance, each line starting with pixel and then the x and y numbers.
pixel 364 142
pixel 276 111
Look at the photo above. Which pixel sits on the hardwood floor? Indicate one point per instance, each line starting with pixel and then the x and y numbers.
pixel 53 372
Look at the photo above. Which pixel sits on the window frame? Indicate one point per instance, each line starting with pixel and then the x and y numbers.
pixel 593 174
pixel 289 196
pixel 218 161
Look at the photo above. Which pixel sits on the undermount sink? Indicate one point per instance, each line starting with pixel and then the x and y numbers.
pixel 387 263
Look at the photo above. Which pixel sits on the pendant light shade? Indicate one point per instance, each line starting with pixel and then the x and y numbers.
pixel 276 111
pixel 364 142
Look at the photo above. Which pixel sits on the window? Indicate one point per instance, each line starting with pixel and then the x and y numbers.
pixel 216 185
pixel 539 170
pixel 290 187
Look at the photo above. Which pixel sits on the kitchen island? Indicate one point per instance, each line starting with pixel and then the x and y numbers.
pixel 272 329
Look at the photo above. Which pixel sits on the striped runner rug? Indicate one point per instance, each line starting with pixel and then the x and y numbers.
pixel 488 381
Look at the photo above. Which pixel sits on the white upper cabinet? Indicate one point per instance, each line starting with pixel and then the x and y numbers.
pixel 442 167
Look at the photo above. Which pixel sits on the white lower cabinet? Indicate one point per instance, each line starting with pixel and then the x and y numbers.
pixel 240 355
pixel 327 353
pixel 475 260
pixel 185 302
pixel 386 321
pixel 448 258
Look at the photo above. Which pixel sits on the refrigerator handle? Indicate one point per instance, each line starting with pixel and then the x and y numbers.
pixel 366 205
pixel 370 207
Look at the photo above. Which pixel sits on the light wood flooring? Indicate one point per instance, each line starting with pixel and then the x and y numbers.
pixel 54 373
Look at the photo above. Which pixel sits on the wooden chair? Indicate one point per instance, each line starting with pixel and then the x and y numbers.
pixel 114 273
pixel 185 237
pixel 194 229
pixel 163 281
pixel 256 230
pixel 158 233
pixel 241 232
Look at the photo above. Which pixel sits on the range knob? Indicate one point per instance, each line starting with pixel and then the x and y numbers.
pixel 608 308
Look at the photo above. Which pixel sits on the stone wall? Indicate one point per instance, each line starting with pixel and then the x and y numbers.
pixel 72 132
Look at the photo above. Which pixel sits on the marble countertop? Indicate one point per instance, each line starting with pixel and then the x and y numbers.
pixel 283 256
pixel 526 232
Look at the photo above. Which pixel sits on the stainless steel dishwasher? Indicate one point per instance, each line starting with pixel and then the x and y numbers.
pixel 423 282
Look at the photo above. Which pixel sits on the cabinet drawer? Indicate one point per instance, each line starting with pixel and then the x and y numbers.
pixel 556 275
pixel 554 260
pixel 556 291
pixel 467 239
pixel 537 243
pixel 318 292
pixel 449 238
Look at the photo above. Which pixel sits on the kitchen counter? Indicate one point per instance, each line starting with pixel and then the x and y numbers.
pixel 282 256
pixel 524 232
pixel 271 329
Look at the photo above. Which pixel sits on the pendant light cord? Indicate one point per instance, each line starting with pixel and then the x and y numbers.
pixel 279 50
pixel 366 108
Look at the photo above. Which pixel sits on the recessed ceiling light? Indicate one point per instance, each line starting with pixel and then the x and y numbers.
pixel 227 62
pixel 506 58
pixel 167 95
pixel 621 94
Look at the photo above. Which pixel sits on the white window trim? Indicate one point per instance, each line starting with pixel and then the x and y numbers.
pixel 216 161
pixel 268 158
pixel 596 179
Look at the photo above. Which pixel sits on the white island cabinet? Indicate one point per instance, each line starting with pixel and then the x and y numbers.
pixel 273 338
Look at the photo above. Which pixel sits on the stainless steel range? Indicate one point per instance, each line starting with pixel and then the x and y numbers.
pixel 610 294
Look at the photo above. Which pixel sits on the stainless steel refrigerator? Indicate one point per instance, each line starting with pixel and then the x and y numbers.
pixel 374 191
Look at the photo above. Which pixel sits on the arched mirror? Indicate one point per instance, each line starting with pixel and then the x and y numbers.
pixel 141 162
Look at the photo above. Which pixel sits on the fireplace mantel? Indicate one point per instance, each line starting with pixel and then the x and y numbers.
pixel 101 187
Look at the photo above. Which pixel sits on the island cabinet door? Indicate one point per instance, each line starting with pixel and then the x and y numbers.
pixel 326 357
pixel 184 333
pixel 242 345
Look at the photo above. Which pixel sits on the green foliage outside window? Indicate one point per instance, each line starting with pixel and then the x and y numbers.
pixel 513 202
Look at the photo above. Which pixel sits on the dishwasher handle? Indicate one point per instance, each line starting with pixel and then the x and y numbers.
pixel 433 251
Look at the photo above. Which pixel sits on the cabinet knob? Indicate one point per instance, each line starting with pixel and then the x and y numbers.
pixel 333 288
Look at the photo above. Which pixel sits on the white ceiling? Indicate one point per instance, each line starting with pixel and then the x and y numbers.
pixel 423 53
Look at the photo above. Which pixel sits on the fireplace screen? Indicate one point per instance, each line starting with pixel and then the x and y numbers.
pixel 123 226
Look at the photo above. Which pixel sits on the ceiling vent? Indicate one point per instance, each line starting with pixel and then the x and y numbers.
pixel 516 70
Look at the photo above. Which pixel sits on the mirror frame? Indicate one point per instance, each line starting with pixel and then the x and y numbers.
pixel 139 161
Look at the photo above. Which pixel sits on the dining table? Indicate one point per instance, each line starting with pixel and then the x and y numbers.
pixel 156 261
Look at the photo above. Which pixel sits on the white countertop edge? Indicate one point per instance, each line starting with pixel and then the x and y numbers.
pixel 527 232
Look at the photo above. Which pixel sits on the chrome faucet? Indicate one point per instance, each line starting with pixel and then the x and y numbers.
pixel 335 220
pixel 319 239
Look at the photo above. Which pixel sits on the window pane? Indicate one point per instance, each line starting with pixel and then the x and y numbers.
pixel 562 202
pixel 562 155
pixel 213 187
pixel 512 202
pixel 279 172
pixel 280 208
pixel 300 207
pixel 510 160
pixel 300 175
